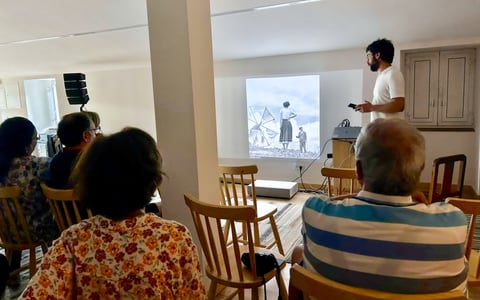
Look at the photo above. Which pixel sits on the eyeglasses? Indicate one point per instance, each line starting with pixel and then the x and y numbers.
pixel 96 130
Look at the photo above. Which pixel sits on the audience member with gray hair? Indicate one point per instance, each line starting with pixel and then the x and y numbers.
pixel 382 238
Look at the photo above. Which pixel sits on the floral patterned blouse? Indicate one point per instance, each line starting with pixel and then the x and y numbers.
pixel 144 257
pixel 25 173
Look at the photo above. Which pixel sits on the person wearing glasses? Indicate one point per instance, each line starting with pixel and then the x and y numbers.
pixel 389 92
pixel 75 131
pixel 95 117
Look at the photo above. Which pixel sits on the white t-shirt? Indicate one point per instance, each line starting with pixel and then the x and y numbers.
pixel 389 84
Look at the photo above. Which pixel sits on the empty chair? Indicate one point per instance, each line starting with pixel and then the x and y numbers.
pixel 223 259
pixel 340 181
pixel 452 166
pixel 14 230
pixel 470 207
pixel 234 180
pixel 305 283
pixel 65 206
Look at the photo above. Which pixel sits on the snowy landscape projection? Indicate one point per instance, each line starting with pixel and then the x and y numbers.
pixel 265 98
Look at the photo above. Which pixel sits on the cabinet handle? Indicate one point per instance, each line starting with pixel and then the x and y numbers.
pixel 433 103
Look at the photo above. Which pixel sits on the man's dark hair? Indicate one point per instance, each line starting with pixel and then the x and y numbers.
pixel 119 173
pixel 71 128
pixel 95 117
pixel 384 47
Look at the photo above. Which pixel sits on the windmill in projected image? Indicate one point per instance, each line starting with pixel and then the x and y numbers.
pixel 261 126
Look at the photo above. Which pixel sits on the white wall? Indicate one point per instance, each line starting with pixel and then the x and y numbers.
pixel 121 97
pixel 227 72
pixel 125 98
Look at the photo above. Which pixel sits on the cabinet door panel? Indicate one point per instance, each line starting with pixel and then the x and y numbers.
pixel 456 79
pixel 422 87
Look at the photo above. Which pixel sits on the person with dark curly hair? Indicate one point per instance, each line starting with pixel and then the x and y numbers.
pixel 122 252
pixel 18 167
pixel 389 92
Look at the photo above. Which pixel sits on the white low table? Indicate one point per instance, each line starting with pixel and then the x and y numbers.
pixel 274 189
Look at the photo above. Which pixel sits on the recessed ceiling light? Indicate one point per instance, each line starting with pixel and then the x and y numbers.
pixel 298 2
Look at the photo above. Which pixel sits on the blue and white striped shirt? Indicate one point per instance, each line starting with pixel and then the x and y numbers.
pixel 387 243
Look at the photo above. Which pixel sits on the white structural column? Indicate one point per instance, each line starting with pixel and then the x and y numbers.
pixel 183 86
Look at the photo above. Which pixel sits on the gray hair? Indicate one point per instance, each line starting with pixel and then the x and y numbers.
pixel 392 155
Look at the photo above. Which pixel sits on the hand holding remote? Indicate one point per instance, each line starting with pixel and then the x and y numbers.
pixel 352 105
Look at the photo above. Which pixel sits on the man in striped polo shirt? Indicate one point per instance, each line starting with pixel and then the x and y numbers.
pixel 382 238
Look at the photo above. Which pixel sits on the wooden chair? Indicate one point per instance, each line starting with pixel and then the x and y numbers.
pixel 470 207
pixel 223 259
pixel 337 178
pixel 14 230
pixel 305 283
pixel 233 187
pixel 438 192
pixel 65 206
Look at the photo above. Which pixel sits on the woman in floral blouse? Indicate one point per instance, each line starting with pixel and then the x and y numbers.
pixel 122 252
pixel 18 139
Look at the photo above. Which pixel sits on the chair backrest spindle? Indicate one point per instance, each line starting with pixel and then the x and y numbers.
pixel 448 164
pixel 336 177
pixel 65 206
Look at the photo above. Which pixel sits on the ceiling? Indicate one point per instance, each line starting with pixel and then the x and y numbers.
pixel 51 36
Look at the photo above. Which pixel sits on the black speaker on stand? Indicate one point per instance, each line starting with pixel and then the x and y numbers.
pixel 76 89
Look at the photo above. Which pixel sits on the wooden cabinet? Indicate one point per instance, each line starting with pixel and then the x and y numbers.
pixel 439 88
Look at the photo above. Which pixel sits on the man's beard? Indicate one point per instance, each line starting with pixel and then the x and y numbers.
pixel 374 66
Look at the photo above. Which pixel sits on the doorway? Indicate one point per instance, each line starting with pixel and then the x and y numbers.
pixel 41 103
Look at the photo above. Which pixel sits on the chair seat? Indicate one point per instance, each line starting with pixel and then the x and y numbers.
pixel 249 278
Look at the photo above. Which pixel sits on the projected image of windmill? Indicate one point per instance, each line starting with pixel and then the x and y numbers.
pixel 266 109
pixel 262 129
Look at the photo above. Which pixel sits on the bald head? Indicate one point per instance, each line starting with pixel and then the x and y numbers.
pixel 391 156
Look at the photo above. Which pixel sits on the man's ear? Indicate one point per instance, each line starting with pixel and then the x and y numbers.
pixel 359 171
pixel 86 136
